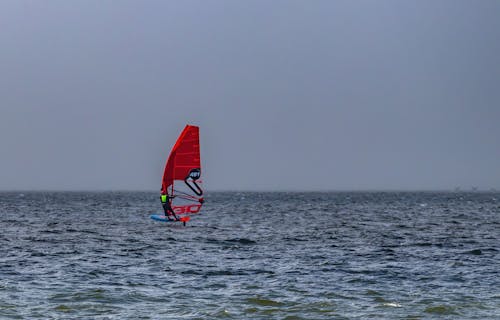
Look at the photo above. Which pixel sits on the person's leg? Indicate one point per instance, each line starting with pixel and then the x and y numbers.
pixel 166 209
pixel 173 213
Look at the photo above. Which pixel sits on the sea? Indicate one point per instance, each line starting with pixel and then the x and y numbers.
pixel 251 255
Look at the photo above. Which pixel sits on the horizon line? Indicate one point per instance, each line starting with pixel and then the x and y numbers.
pixel 263 190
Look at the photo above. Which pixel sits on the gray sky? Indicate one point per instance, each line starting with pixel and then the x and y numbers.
pixel 289 95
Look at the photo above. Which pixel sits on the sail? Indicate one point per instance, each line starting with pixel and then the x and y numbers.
pixel 181 178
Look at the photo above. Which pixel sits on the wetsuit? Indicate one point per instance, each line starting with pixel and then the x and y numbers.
pixel 165 202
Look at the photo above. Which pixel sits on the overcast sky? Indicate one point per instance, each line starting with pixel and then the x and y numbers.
pixel 289 95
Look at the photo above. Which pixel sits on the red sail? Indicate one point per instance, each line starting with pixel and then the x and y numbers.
pixel 184 157
pixel 183 169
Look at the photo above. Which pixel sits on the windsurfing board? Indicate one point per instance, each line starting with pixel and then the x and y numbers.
pixel 163 218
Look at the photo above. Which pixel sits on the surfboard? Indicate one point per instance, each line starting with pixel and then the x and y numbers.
pixel 163 218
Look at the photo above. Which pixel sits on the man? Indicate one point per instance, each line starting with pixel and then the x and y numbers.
pixel 165 202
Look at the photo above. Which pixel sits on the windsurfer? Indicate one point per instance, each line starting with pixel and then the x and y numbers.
pixel 165 202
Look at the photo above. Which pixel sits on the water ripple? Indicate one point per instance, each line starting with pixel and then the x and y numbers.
pixel 276 255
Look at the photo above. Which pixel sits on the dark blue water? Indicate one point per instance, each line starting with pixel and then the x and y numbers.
pixel 251 256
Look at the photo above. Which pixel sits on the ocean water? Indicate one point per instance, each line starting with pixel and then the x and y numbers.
pixel 251 256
